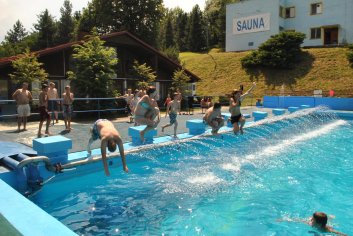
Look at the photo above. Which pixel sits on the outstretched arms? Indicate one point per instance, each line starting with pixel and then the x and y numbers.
pixel 249 91
pixel 122 154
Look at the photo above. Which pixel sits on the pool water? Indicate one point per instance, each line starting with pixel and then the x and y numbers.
pixel 226 185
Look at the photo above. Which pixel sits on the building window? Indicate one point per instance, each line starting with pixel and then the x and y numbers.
pixel 3 89
pixel 315 33
pixel 250 44
pixel 316 8
pixel 290 12
pixel 281 12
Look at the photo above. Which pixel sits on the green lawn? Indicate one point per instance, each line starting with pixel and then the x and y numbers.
pixel 320 68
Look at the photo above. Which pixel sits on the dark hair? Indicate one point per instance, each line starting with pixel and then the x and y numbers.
pixel 44 86
pixel 111 145
pixel 234 92
pixel 320 218
pixel 150 90
pixel 217 105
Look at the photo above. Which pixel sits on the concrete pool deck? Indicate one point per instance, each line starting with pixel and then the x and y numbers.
pixel 80 133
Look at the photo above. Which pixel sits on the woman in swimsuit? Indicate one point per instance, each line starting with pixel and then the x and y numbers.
pixel 235 100
pixel 146 111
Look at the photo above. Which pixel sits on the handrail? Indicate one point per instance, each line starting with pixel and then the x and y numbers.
pixel 38 159
pixel 97 110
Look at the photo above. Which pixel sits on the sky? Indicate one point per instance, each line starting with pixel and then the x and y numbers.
pixel 27 10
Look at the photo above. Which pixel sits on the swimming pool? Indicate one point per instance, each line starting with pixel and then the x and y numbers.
pixel 226 185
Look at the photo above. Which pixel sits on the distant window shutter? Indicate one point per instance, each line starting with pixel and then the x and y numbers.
pixel 319 8
pixel 292 12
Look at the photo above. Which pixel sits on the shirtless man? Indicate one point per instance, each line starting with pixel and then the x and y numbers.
pixel 110 137
pixel 53 105
pixel 173 108
pixel 213 118
pixel 128 98
pixel 43 110
pixel 146 111
pixel 68 98
pixel 235 100
pixel 22 97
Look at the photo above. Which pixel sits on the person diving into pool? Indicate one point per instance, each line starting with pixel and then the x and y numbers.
pixel 110 137
pixel 235 100
pixel 146 111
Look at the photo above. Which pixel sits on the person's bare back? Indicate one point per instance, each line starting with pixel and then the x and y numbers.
pixel 110 137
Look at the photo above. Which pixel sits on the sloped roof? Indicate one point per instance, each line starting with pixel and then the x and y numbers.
pixel 108 37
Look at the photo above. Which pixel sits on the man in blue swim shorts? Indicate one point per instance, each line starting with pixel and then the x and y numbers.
pixel 173 108
pixel 105 131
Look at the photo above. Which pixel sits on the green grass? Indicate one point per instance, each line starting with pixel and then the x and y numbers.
pixel 320 68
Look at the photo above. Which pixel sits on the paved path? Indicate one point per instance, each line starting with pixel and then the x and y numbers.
pixel 80 133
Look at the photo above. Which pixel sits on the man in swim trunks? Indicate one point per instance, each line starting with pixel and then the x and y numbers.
pixel 68 98
pixel 213 117
pixel 43 111
pixel 53 95
pixel 235 100
pixel 22 97
pixel 173 108
pixel 105 131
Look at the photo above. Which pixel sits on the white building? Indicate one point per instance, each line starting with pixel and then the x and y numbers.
pixel 249 23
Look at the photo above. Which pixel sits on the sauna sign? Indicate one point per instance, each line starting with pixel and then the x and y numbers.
pixel 251 24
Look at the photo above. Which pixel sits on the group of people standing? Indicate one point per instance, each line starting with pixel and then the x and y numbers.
pixel 48 101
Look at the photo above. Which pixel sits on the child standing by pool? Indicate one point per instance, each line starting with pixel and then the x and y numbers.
pixel 68 98
pixel 173 108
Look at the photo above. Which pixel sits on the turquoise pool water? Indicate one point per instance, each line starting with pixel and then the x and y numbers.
pixel 228 185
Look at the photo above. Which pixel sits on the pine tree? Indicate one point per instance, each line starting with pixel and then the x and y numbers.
pixel 196 37
pixel 66 24
pixel 169 34
pixel 46 28
pixel 16 34
pixel 181 30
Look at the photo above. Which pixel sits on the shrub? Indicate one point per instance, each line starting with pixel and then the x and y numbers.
pixel 350 54
pixel 280 51
pixel 172 53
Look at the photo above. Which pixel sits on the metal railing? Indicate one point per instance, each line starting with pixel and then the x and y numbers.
pixel 99 105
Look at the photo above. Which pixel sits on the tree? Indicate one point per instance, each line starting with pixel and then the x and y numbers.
pixel 8 49
pixel 196 36
pixel 144 74
pixel 28 69
pixel 66 24
pixel 46 28
pixel 140 17
pixel 280 51
pixel 16 34
pixel 215 21
pixel 181 30
pixel 94 68
pixel 180 81
pixel 169 34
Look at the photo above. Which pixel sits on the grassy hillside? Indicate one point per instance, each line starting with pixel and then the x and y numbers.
pixel 324 68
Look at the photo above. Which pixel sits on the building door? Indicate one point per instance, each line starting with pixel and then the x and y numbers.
pixel 330 36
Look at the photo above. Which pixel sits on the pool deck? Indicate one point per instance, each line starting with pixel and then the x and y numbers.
pixel 80 133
